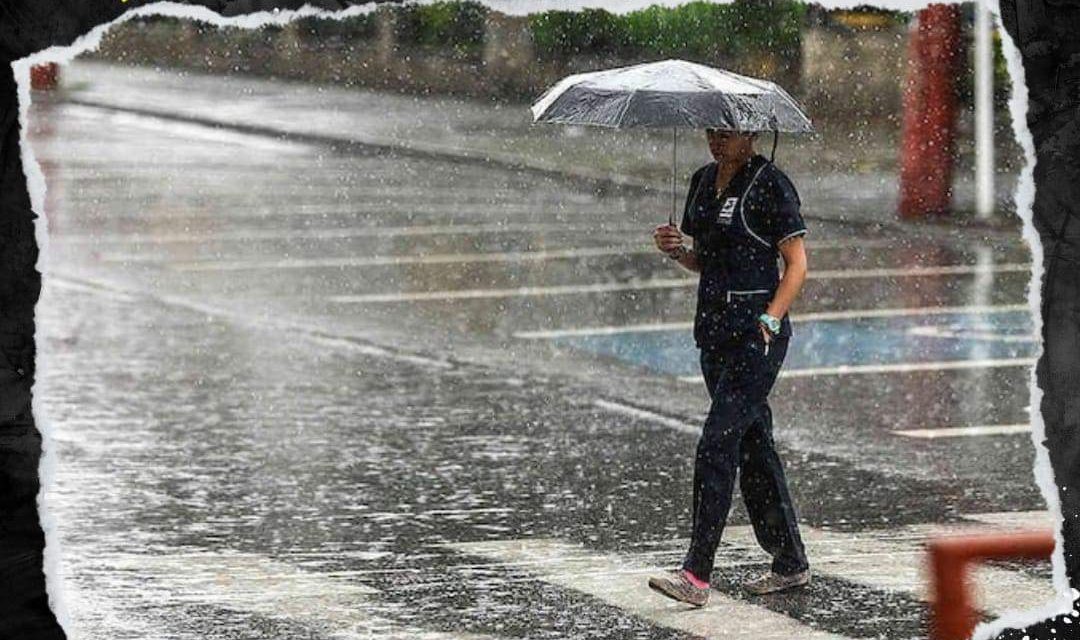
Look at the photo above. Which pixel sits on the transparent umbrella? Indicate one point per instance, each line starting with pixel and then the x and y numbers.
pixel 676 94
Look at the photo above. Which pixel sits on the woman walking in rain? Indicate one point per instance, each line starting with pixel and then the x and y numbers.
pixel 743 215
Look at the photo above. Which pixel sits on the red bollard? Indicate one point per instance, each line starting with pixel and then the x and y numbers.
pixel 43 77
pixel 930 106
pixel 952 613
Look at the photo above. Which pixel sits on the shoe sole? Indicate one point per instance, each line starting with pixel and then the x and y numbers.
pixel 766 592
pixel 662 590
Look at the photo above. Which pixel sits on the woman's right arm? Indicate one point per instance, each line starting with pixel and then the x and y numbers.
pixel 689 260
pixel 670 240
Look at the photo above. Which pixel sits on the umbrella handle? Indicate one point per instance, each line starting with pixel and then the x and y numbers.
pixel 674 164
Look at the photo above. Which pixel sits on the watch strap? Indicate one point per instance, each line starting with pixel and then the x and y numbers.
pixel 770 322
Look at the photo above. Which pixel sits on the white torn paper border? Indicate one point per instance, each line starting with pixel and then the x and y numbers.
pixel 1025 193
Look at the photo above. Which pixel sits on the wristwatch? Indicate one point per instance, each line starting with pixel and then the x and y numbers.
pixel 771 323
pixel 678 252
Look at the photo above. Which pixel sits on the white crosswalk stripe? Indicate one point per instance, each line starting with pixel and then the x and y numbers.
pixel 245 582
pixel 895 561
pixel 620 581
pixel 891 560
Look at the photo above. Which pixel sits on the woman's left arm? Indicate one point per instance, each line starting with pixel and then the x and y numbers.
pixel 794 254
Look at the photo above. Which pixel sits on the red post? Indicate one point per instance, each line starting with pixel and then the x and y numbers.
pixel 930 106
pixel 952 613
pixel 43 77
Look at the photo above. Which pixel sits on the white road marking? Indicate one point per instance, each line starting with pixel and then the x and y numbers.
pixel 970 334
pixel 254 583
pixel 279 234
pixel 602 287
pixel 858 314
pixel 1017 520
pixel 620 581
pixel 547 334
pixel 120 292
pixel 521 256
pixel 156 257
pixel 813 316
pixel 891 560
pixel 194 131
pixel 695 430
pixel 650 416
pixel 901 367
pixel 431 258
pixel 245 235
pixel 918 272
pixel 84 287
pixel 472 294
pixel 960 432
pixel 894 560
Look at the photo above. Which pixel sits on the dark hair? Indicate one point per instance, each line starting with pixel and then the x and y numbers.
pixel 753 134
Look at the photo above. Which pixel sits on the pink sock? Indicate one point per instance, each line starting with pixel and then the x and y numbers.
pixel 694 580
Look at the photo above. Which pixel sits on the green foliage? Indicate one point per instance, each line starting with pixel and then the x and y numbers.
pixel 1002 81
pixel 698 29
pixel 563 32
pixel 443 24
pixel 358 27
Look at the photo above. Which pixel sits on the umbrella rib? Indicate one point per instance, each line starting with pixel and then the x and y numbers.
pixel 626 105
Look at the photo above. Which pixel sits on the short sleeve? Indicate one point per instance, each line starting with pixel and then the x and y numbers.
pixel 784 221
pixel 688 225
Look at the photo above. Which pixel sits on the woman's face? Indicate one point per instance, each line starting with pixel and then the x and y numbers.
pixel 726 144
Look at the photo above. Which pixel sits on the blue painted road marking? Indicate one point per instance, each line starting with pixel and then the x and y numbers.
pixel 832 343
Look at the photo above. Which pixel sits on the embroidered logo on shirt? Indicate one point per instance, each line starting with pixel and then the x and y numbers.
pixel 728 210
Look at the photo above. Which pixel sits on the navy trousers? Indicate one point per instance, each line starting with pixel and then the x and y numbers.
pixel 738 438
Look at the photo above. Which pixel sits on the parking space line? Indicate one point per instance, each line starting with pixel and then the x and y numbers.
pixel 246 235
pixel 900 367
pixel 695 430
pixel 156 257
pixel 242 235
pixel 611 287
pixel 903 367
pixel 338 342
pixel 433 258
pixel 813 316
pixel 557 254
pixel 463 294
pixel 648 416
pixel 918 272
pixel 960 432
pixel 547 334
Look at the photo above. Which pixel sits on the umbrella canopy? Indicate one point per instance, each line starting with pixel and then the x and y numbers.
pixel 671 93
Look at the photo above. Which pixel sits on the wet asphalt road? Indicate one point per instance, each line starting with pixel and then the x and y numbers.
pixel 286 386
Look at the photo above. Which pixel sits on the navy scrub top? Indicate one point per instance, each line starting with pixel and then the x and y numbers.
pixel 737 234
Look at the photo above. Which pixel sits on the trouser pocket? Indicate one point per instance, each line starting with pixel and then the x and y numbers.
pixel 742 311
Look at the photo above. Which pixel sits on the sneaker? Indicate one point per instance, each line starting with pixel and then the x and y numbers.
pixel 675 585
pixel 773 582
